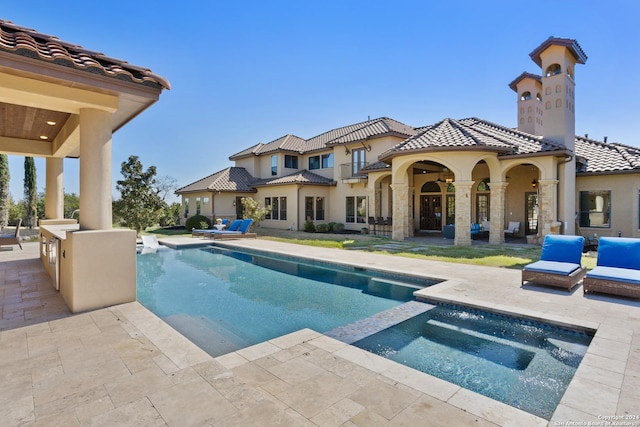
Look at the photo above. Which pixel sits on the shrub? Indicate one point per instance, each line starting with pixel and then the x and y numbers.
pixel 322 228
pixel 197 221
pixel 338 227
pixel 331 226
pixel 309 227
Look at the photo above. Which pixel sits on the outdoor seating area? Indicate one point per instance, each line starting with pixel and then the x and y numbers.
pixel 559 264
pixel 618 268
pixel 512 229
pixel 238 229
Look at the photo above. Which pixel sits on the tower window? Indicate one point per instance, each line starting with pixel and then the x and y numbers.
pixel 525 96
pixel 538 96
pixel 553 70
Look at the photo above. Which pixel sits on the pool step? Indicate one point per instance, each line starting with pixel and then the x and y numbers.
pixel 378 322
pixel 212 337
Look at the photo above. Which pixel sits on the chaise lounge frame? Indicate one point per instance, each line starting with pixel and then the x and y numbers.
pixel 561 250
pixel 619 254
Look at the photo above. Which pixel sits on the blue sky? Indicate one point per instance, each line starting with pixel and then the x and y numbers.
pixel 251 71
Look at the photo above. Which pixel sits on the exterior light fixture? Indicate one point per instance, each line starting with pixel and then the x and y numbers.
pixel 51 123
pixel 44 137
pixel 534 183
pixel 346 150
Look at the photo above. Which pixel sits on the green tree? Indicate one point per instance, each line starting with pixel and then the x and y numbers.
pixel 16 210
pixel 252 209
pixel 4 191
pixel 71 205
pixel 140 205
pixel 40 205
pixel 30 192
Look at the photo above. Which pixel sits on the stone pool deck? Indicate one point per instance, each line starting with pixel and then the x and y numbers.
pixel 124 366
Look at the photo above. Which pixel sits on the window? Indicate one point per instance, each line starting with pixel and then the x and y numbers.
pixel 274 165
pixel 525 96
pixel 267 204
pixel 274 208
pixel 314 162
pixel 356 208
pixel 327 160
pixel 197 205
pixel 278 208
pixel 358 156
pixel 291 162
pixel 314 208
pixel 205 200
pixel 186 207
pixel 595 209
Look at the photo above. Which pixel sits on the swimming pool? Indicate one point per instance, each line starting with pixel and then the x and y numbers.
pixel 524 364
pixel 224 300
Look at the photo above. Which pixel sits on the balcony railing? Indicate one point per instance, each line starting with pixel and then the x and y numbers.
pixel 352 170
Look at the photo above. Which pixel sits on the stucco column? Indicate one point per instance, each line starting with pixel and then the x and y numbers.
pixel 401 215
pixel 463 213
pixel 498 212
pixel 54 189
pixel 95 169
pixel 547 220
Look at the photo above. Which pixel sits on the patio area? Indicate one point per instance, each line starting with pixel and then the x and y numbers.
pixel 124 366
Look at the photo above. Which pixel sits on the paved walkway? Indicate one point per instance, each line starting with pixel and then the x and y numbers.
pixel 124 366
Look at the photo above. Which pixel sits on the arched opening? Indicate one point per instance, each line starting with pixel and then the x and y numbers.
pixel 553 69
pixel 525 96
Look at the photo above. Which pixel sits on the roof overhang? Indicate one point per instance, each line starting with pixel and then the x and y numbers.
pixel 391 155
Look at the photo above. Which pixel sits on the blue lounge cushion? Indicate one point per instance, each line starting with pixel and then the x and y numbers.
pixel 234 225
pixel 561 248
pixel 242 229
pixel 619 252
pixel 553 267
pixel 614 273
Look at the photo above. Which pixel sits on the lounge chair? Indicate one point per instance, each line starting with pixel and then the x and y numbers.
pixel 513 228
pixel 241 232
pixel 618 268
pixel 200 232
pixel 150 243
pixel 559 263
pixel 12 239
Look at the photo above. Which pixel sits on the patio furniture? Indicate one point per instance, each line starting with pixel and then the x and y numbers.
pixel 205 232
pixel 150 243
pixel 476 231
pixel 559 263
pixel 12 239
pixel 241 232
pixel 513 229
pixel 618 268
pixel 449 231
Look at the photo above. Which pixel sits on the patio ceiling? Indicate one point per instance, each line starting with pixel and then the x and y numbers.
pixel 45 82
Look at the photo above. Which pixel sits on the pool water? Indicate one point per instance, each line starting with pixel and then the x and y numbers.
pixel 527 365
pixel 226 300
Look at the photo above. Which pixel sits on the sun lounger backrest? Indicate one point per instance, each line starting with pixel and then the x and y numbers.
pixel 235 225
pixel 245 225
pixel 619 252
pixel 561 248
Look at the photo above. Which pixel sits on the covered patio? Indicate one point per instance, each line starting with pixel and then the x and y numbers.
pixel 59 100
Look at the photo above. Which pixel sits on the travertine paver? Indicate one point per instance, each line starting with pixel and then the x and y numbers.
pixel 124 366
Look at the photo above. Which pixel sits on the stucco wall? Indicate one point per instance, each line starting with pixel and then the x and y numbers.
pixel 625 193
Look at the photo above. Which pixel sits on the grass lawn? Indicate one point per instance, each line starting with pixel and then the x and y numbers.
pixel 506 256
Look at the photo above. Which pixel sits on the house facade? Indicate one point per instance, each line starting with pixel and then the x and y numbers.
pixel 402 180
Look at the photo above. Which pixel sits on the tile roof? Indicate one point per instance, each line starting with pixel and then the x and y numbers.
pixel 352 133
pixel 571 44
pixel 513 85
pixel 472 133
pixel 607 157
pixel 29 43
pixel 232 179
pixel 284 143
pixel 299 177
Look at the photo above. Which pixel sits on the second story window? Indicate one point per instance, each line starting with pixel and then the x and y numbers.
pixel 274 165
pixel 359 161
pixel 327 160
pixel 314 162
pixel 291 162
